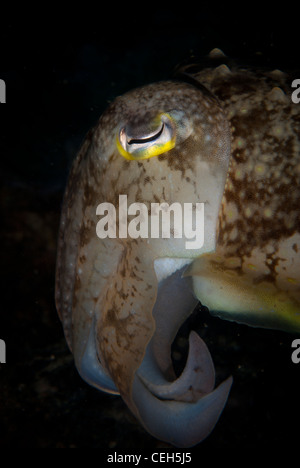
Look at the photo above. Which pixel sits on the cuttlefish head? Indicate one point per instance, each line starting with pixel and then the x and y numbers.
pixel 121 289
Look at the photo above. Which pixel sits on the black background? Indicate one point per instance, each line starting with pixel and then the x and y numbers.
pixel 61 69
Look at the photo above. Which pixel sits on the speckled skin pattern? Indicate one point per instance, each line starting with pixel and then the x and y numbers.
pixel 241 159
pixel 147 181
pixel 259 220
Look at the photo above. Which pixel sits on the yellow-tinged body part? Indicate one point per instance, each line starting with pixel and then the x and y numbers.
pixel 237 290
pixel 253 275
pixel 155 150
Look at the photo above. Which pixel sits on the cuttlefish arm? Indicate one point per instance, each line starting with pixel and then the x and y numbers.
pixel 122 298
pixel 182 411
pixel 253 275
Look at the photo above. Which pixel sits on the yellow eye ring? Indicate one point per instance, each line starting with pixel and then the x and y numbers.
pixel 161 141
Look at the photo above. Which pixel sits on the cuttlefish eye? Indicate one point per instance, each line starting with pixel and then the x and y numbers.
pixel 159 138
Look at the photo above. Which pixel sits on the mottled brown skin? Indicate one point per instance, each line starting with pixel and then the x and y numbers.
pixel 250 261
pixel 259 220
pixel 264 171
pixel 121 293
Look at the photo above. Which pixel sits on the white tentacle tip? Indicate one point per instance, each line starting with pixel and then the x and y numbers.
pixel 185 411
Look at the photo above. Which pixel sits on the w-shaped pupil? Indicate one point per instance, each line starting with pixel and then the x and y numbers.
pixel 140 141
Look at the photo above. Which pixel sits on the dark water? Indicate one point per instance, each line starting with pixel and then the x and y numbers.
pixel 60 73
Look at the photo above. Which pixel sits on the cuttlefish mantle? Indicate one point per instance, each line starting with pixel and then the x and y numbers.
pixel 227 138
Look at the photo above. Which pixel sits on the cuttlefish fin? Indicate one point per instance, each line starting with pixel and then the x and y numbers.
pixel 244 294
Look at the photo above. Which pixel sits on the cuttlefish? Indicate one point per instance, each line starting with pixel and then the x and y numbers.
pixel 227 138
